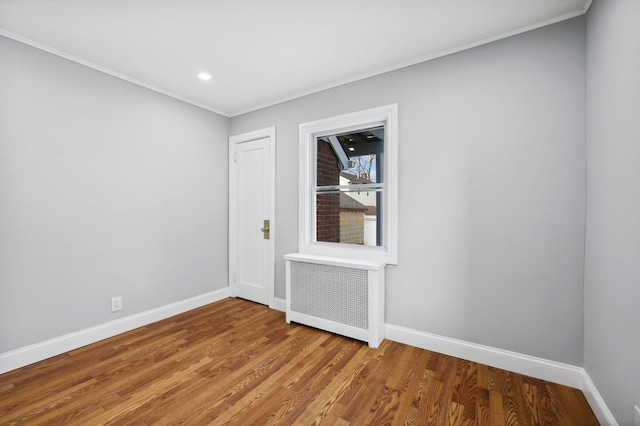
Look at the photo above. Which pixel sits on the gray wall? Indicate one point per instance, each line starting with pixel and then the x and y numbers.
pixel 492 189
pixel 106 189
pixel 612 265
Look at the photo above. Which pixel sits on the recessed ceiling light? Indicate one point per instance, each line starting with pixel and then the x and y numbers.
pixel 351 148
pixel 204 76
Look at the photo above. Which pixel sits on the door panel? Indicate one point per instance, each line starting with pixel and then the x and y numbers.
pixel 251 209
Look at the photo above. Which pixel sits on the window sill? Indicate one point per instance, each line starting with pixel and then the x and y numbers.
pixel 371 265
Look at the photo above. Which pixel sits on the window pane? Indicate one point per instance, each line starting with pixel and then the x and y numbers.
pixel 350 158
pixel 343 215
pixel 364 170
pixel 349 217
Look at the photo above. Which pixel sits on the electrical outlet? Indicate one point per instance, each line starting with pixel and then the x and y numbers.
pixel 116 303
pixel 636 415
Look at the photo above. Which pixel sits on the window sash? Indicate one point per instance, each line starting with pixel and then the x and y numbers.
pixel 360 187
pixel 309 190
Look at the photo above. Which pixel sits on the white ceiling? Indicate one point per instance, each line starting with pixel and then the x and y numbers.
pixel 261 52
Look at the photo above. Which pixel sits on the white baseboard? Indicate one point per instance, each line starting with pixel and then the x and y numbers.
pixel 279 304
pixel 552 371
pixel 540 368
pixel 40 351
pixel 599 407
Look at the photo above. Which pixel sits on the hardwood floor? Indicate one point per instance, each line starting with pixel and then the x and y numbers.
pixel 236 362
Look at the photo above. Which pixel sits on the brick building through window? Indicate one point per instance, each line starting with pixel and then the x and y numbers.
pixel 327 205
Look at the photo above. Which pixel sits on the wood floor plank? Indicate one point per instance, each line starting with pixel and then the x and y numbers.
pixel 411 391
pixel 325 405
pixel 238 363
pixel 466 390
pixel 456 414
pixel 384 407
pixel 483 413
pixel 496 408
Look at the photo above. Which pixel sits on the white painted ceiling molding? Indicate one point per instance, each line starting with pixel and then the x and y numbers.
pixel 263 53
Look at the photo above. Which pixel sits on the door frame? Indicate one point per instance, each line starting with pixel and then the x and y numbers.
pixel 269 278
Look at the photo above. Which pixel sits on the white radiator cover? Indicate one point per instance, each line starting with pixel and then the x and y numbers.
pixel 343 296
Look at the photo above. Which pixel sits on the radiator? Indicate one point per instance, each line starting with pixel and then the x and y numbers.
pixel 342 296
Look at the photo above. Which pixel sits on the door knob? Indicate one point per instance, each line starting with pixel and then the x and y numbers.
pixel 265 229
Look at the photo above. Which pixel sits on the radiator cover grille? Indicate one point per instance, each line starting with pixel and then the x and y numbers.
pixel 340 295
pixel 334 293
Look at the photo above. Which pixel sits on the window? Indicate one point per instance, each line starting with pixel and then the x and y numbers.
pixel 348 189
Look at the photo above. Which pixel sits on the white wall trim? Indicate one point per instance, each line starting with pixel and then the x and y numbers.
pixel 540 368
pixel 414 61
pixel 307 150
pixel 279 304
pixel 599 407
pixel 40 351
pixel 108 71
pixel 556 372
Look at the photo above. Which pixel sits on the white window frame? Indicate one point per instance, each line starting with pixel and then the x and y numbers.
pixel 307 244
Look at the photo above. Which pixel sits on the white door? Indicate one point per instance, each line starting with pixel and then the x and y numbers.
pixel 251 260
